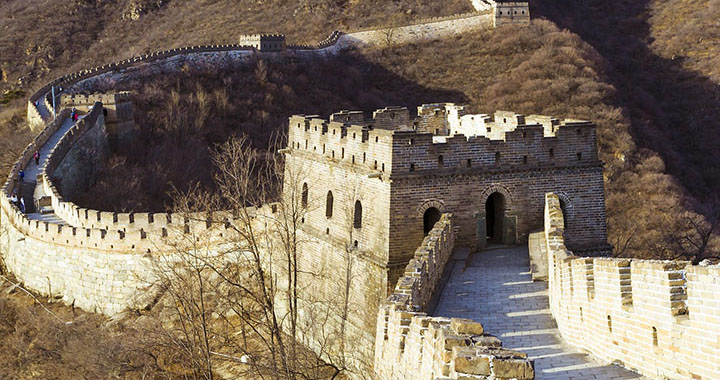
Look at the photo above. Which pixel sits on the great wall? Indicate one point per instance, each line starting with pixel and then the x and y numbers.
pixel 428 190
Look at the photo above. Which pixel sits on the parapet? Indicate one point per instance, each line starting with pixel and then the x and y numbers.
pixel 444 137
pixel 110 98
pixel 656 317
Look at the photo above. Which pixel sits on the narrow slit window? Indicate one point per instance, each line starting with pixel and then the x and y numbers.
pixel 329 205
pixel 357 217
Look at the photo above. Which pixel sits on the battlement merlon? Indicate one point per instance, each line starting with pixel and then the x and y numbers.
pixel 502 142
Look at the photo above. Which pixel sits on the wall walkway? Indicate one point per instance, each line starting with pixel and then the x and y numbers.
pixel 410 344
pixel 495 287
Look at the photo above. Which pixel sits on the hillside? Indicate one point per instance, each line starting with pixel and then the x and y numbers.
pixel 687 31
pixel 40 42
pixel 673 110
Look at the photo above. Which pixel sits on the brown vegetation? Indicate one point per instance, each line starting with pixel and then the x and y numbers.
pixel 688 31
pixel 59 36
pixel 50 341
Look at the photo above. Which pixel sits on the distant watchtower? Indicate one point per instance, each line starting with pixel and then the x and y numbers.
pixel 380 183
pixel 264 42
pixel 510 12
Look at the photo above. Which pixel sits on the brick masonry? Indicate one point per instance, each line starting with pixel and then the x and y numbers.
pixel 661 318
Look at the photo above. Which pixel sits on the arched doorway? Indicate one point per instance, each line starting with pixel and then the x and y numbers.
pixel 431 216
pixel 494 217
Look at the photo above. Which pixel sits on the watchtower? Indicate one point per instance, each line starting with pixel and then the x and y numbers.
pixel 380 183
pixel 264 42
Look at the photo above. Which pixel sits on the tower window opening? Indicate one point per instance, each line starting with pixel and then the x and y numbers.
pixel 357 217
pixel 655 336
pixel 342 154
pixel 412 167
pixel 329 205
pixel 525 160
pixel 609 321
pixel 304 198
pixel 364 157
pixel 441 161
pixel 469 162
pixel 579 156
pixel 497 157
pixel 552 152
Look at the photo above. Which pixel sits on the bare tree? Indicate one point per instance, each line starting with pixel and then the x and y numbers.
pixel 699 241
pixel 234 282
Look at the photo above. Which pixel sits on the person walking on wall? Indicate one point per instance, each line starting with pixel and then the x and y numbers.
pixel 21 176
pixel 22 205
pixel 36 156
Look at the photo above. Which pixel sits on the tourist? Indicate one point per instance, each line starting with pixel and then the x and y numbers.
pixel 22 205
pixel 36 156
pixel 14 199
pixel 21 176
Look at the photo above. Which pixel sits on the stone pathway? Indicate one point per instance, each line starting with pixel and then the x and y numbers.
pixel 32 170
pixel 494 287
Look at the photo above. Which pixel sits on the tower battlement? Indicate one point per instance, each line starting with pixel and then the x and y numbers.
pixel 444 137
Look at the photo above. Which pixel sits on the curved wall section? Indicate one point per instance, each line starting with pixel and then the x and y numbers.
pixel 94 280
pixel 660 318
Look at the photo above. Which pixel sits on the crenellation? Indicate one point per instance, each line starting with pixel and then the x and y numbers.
pixel 641 313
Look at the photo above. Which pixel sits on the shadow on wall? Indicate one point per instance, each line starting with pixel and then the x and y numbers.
pixel 185 114
pixel 674 111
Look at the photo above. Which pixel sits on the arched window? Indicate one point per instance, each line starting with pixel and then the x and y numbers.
pixel 304 195
pixel 357 217
pixel 329 205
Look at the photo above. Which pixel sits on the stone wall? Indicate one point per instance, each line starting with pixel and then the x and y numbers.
pixel 660 318
pixel 76 160
pixel 411 345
